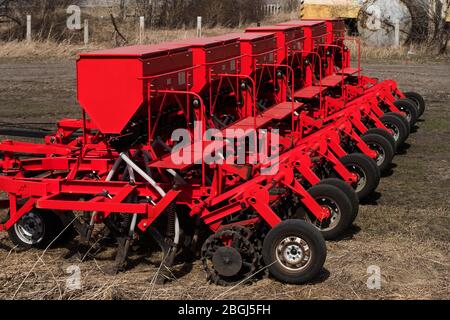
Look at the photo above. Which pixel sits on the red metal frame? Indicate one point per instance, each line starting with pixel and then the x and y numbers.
pixel 180 75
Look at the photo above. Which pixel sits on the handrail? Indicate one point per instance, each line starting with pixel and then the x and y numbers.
pixel 210 65
pixel 253 82
pixel 342 74
pixel 289 68
pixel 358 42
pixel 202 113
pixel 320 72
pixel 238 75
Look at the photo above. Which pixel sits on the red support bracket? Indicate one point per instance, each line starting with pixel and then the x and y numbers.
pixel 153 212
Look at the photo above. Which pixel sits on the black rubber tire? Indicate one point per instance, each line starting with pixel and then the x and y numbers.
pixel 375 141
pixel 405 122
pixel 368 168
pixel 52 227
pixel 418 100
pixel 330 193
pixel 349 192
pixel 384 133
pixel 305 231
pixel 408 106
pixel 403 119
pixel 392 119
pixel 374 165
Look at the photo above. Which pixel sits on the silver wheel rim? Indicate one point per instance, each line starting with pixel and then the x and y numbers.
pixel 335 213
pixel 396 131
pixel 381 156
pixel 408 114
pixel 30 229
pixel 362 179
pixel 293 253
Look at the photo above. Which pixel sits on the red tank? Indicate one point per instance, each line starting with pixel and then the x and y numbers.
pixel 111 88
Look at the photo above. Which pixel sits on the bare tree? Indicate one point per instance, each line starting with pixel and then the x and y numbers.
pixel 49 16
pixel 178 13
pixel 118 36
pixel 290 5
pixel 5 12
pixel 122 9
pixel 429 23
pixel 438 32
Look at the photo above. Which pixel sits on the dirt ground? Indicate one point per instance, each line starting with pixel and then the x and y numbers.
pixel 404 229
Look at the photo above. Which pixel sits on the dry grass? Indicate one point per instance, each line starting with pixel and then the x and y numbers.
pixel 414 53
pixel 41 49
pixel 51 49
pixel 102 36
pixel 279 18
pixel 413 266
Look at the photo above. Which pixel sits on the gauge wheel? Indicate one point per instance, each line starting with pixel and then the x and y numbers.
pixel 294 252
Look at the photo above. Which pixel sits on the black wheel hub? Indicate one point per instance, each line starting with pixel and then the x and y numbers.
pixel 227 261
pixel 230 256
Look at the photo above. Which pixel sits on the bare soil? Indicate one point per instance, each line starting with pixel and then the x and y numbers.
pixel 404 229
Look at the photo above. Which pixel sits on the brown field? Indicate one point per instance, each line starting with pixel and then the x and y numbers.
pixel 405 229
